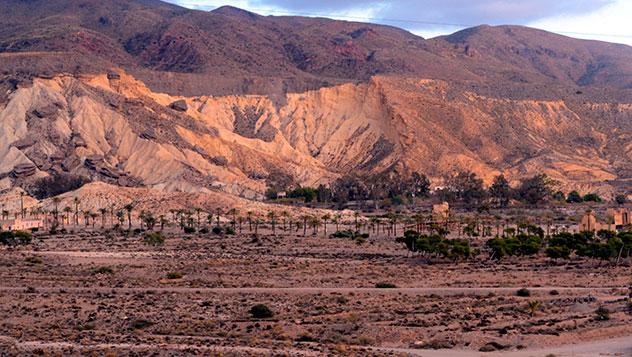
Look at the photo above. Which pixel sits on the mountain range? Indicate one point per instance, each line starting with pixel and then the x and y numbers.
pixel 145 93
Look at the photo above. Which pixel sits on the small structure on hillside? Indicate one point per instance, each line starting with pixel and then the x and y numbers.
pixel 441 211
pixel 618 218
pixel 19 224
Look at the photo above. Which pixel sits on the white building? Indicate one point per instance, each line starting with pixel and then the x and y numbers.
pixel 19 224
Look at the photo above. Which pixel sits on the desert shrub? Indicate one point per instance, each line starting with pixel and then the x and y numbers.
pixel 554 292
pixel 574 197
pixel 229 230
pixel 261 311
pixel 33 260
pixel 174 275
pixel 436 244
pixel 602 314
pixel 217 230
pixel 385 285
pixel 154 238
pixel 15 238
pixel 56 185
pixel 523 292
pixel 138 324
pixel 592 197
pixel 343 234
pixel 556 252
pixel 189 230
pixel 103 270
pixel 520 245
pixel 203 230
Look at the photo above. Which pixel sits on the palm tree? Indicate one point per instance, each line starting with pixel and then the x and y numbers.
pixel 197 212
pixel 218 213
pixel 103 212
pixel 56 201
pixel 209 218
pixel 163 221
pixel 76 202
pixel 336 220
pixel 120 216
pixel 240 220
pixel 129 208
pixel 325 218
pixel 233 212
pixel 285 216
pixel 67 211
pixel 355 216
pixel 249 216
pixel 22 193
pixel 314 223
pixel 94 216
pixel 305 218
pixel 86 217
pixel 272 217
pixel 257 222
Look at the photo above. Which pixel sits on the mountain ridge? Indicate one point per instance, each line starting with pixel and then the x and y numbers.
pixel 235 102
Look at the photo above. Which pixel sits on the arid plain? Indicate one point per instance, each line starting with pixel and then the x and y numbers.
pixel 86 292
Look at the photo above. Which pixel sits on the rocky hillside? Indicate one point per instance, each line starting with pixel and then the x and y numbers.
pixel 143 93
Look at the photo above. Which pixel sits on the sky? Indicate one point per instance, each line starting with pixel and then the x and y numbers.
pixel 606 20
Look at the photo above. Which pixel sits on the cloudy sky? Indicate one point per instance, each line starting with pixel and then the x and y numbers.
pixel 607 20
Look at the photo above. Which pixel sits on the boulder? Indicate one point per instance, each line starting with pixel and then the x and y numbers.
pixel 78 141
pixel 107 172
pixel 70 163
pixel 24 143
pixel 94 161
pixel 179 105
pixel 219 160
pixel 148 135
pixel 113 75
pixel 24 170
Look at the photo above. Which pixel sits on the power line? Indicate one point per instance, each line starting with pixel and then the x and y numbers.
pixel 423 22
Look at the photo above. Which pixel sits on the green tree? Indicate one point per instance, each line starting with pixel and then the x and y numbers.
pixel 535 190
pixel 129 208
pixel 500 191
pixel 574 197
pixel 592 197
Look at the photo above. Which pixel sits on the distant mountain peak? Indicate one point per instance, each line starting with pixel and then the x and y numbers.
pixel 235 11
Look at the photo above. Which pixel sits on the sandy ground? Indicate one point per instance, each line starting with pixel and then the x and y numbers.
pixel 57 297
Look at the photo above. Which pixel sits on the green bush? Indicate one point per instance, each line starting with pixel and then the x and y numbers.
pixel 261 311
pixel 602 313
pixel 204 230
pixel 103 270
pixel 385 285
pixel 33 260
pixel 217 230
pixel 556 252
pixel 15 238
pixel 174 275
pixel 523 292
pixel 436 244
pixel 154 239
pixel 189 230
pixel 229 230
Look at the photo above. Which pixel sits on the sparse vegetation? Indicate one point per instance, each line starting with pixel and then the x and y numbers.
pixel 261 311
pixel 154 239
pixel 523 292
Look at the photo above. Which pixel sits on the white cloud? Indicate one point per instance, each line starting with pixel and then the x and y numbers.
pixel 590 19
pixel 611 24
